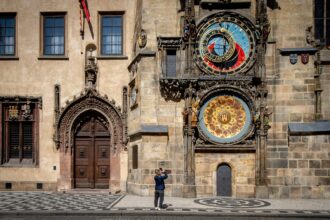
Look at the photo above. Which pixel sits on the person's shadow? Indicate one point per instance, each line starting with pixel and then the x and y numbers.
pixel 165 206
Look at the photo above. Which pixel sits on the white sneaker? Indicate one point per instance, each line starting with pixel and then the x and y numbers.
pixel 156 208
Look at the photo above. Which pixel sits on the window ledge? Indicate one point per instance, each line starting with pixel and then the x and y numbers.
pixel 16 164
pixel 53 58
pixel 119 57
pixel 9 58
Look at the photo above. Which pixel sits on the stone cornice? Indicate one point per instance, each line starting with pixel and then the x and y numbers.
pixel 146 129
pixel 299 50
pixel 142 53
pixel 310 128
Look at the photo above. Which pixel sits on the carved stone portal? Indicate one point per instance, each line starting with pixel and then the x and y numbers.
pixel 90 101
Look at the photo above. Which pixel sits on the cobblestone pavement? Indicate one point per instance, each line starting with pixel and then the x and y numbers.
pixel 52 201
pixel 98 203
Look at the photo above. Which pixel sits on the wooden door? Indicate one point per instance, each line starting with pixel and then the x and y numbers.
pixel 224 180
pixel 92 155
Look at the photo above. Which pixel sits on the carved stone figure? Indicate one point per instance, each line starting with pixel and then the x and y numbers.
pixel 142 40
pixel 194 112
pixel 91 70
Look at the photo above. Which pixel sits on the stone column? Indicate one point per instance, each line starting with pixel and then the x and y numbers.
pixel 189 188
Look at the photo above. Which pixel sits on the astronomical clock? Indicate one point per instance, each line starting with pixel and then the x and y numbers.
pixel 225 118
pixel 225 47
pixel 225 44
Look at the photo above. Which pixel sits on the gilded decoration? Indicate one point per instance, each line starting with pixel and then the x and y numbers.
pixel 225 118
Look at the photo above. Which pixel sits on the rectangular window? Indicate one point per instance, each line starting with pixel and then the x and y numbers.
pixel 19 123
pixel 322 22
pixel 7 34
pixel 54 34
pixel 135 157
pixel 171 63
pixel 111 34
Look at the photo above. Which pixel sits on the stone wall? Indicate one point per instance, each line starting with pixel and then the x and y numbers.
pixel 31 76
pixel 156 150
pixel 325 83
pixel 243 173
pixel 305 171
pixel 297 166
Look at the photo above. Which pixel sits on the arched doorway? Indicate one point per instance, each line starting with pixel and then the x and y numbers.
pixel 91 152
pixel 224 180
pixel 92 124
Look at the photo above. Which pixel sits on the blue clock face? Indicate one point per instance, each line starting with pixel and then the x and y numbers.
pixel 226 45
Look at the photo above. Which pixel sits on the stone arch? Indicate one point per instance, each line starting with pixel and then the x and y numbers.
pixel 88 101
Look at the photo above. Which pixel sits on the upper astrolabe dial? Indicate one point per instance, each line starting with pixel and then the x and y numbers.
pixel 226 45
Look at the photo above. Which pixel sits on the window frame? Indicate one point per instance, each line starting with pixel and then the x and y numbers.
pixel 324 39
pixel 14 55
pixel 43 16
pixel 102 55
pixel 168 72
pixel 5 159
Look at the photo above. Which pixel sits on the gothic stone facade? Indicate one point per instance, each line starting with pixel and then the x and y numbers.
pixel 230 97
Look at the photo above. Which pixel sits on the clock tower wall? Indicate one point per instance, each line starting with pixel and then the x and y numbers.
pixel 155 128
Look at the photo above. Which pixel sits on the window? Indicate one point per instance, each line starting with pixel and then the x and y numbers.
pixel 322 22
pixel 53 34
pixel 111 34
pixel 135 157
pixel 7 34
pixel 19 125
pixel 171 63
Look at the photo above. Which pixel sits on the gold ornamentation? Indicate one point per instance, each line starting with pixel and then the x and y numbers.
pixel 224 116
pixel 13 112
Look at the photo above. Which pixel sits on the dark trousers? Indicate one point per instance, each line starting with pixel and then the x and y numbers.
pixel 159 194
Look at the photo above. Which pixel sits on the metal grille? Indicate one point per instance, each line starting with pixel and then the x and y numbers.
pixel 14 140
pixel 27 140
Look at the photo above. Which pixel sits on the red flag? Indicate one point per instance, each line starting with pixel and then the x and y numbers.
pixel 88 17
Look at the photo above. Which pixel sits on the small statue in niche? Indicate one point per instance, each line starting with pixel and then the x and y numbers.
pixel 267 114
pixel 185 116
pixel 309 36
pixel 91 70
pixel 194 111
pixel 142 40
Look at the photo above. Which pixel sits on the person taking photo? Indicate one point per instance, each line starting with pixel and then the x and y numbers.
pixel 159 188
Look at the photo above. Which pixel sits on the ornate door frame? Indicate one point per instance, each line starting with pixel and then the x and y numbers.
pixel 65 124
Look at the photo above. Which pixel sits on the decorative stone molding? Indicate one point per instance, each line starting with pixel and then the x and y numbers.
pixel 174 88
pixel 124 115
pixel 21 99
pixel 169 42
pixel 88 100
pixel 225 4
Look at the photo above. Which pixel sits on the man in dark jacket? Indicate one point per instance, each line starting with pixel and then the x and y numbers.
pixel 159 187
